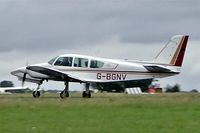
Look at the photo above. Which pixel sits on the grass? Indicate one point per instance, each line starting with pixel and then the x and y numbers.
pixel 103 113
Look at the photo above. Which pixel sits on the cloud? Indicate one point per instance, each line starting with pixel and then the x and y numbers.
pixel 41 29
pixel 36 24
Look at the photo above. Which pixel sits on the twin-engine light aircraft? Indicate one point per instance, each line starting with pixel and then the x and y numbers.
pixel 88 69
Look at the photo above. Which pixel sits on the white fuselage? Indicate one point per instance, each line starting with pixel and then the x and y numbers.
pixel 112 70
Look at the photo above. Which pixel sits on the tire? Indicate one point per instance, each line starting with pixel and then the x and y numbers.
pixel 84 94
pixel 36 94
pixel 64 94
pixel 89 95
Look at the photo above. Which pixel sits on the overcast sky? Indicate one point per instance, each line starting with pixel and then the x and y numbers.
pixel 37 30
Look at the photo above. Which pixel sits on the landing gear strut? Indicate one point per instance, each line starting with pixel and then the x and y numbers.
pixel 36 93
pixel 65 92
pixel 87 93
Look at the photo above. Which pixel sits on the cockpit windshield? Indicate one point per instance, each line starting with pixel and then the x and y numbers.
pixel 52 60
pixel 64 61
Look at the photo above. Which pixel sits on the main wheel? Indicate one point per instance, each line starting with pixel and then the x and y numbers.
pixel 36 94
pixel 86 94
pixel 64 94
pixel 89 94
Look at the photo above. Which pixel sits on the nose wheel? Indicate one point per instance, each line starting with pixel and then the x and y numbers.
pixel 36 93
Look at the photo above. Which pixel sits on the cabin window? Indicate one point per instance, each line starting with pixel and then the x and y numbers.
pixel 52 60
pixel 96 64
pixel 80 62
pixel 64 61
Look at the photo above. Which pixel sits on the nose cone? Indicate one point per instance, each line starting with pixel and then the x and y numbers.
pixel 19 72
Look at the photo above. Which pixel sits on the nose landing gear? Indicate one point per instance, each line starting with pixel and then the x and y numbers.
pixel 36 93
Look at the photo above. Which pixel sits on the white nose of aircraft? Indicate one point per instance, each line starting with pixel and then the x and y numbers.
pixel 19 72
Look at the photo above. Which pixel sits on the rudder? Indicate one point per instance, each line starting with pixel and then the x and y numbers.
pixel 173 52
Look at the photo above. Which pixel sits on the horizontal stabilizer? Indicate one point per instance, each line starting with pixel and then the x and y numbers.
pixel 158 69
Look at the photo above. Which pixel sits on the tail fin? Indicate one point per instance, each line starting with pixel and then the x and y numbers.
pixel 173 52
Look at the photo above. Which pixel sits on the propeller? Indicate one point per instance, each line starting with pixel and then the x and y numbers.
pixel 25 73
pixel 24 76
pixel 23 79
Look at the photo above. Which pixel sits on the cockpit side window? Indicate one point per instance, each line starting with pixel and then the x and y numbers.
pixel 80 62
pixel 96 64
pixel 52 60
pixel 64 61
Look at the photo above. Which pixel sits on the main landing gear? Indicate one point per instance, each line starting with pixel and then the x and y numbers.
pixel 86 93
pixel 65 92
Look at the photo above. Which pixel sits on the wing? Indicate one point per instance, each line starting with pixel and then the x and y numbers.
pixel 54 74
